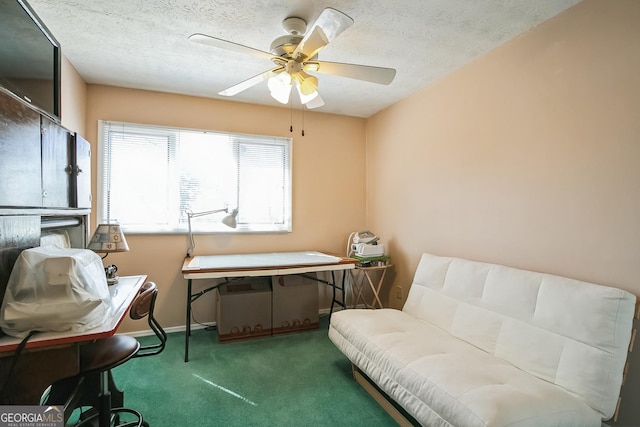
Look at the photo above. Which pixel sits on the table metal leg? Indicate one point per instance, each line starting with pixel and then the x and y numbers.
pixel 344 291
pixel 333 294
pixel 333 285
pixel 187 333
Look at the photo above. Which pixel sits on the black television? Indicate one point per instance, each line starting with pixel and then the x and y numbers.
pixel 29 58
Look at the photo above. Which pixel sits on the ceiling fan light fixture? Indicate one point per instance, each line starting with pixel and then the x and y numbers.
pixel 308 85
pixel 311 66
pixel 280 87
pixel 304 99
pixel 316 102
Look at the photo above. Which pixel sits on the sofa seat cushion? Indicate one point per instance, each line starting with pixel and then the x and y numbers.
pixel 443 381
pixel 568 332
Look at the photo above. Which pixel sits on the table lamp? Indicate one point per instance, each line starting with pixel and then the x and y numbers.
pixel 106 239
pixel 228 220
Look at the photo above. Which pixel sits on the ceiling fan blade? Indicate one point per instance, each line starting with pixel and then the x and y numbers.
pixel 244 85
pixel 327 27
pixel 316 102
pixel 225 44
pixel 367 73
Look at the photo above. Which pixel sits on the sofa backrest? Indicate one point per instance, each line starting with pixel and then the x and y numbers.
pixel 571 333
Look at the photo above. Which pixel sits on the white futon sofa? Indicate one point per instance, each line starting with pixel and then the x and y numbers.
pixel 479 344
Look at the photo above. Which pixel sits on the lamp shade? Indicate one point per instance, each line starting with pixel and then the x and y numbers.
pixel 108 238
pixel 230 220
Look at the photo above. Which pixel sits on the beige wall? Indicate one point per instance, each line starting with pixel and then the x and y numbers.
pixel 73 98
pixel 328 184
pixel 529 156
pixel 526 157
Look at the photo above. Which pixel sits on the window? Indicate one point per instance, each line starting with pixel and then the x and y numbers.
pixel 150 175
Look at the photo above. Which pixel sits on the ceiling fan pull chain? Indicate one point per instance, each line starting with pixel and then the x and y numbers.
pixel 303 120
pixel 291 116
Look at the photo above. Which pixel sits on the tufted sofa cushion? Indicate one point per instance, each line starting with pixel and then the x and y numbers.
pixel 443 381
pixel 479 344
pixel 570 333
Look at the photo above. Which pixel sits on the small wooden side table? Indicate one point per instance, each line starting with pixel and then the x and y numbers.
pixel 368 274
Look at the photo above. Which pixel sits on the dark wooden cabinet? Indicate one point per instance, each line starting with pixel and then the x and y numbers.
pixel 20 161
pixel 42 164
pixel 80 173
pixel 55 165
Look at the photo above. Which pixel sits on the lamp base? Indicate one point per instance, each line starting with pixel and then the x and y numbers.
pixel 110 272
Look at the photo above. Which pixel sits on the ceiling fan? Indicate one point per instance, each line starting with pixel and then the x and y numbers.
pixel 296 54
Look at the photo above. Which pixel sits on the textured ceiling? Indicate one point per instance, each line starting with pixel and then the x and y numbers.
pixel 143 43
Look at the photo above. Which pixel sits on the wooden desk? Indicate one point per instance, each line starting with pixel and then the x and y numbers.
pixel 51 356
pixel 258 265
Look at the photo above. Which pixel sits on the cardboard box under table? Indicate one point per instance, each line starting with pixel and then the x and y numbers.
pixel 244 309
pixel 295 303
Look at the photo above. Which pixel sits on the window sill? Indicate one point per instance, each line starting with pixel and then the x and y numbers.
pixel 180 231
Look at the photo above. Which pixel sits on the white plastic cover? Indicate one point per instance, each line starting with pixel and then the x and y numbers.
pixel 55 289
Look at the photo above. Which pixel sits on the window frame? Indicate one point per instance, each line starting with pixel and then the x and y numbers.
pixel 209 227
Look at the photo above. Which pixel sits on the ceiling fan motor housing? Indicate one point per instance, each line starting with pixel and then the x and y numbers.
pixel 285 45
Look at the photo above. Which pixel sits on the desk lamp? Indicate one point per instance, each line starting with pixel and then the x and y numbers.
pixel 106 239
pixel 229 220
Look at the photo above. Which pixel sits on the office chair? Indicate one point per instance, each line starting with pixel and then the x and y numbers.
pixel 94 384
pixel 144 306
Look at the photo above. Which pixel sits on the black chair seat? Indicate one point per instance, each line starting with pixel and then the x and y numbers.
pixel 94 385
pixel 107 353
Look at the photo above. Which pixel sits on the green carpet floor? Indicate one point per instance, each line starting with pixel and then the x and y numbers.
pixel 289 380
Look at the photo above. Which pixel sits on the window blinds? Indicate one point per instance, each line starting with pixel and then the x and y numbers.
pixel 149 176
